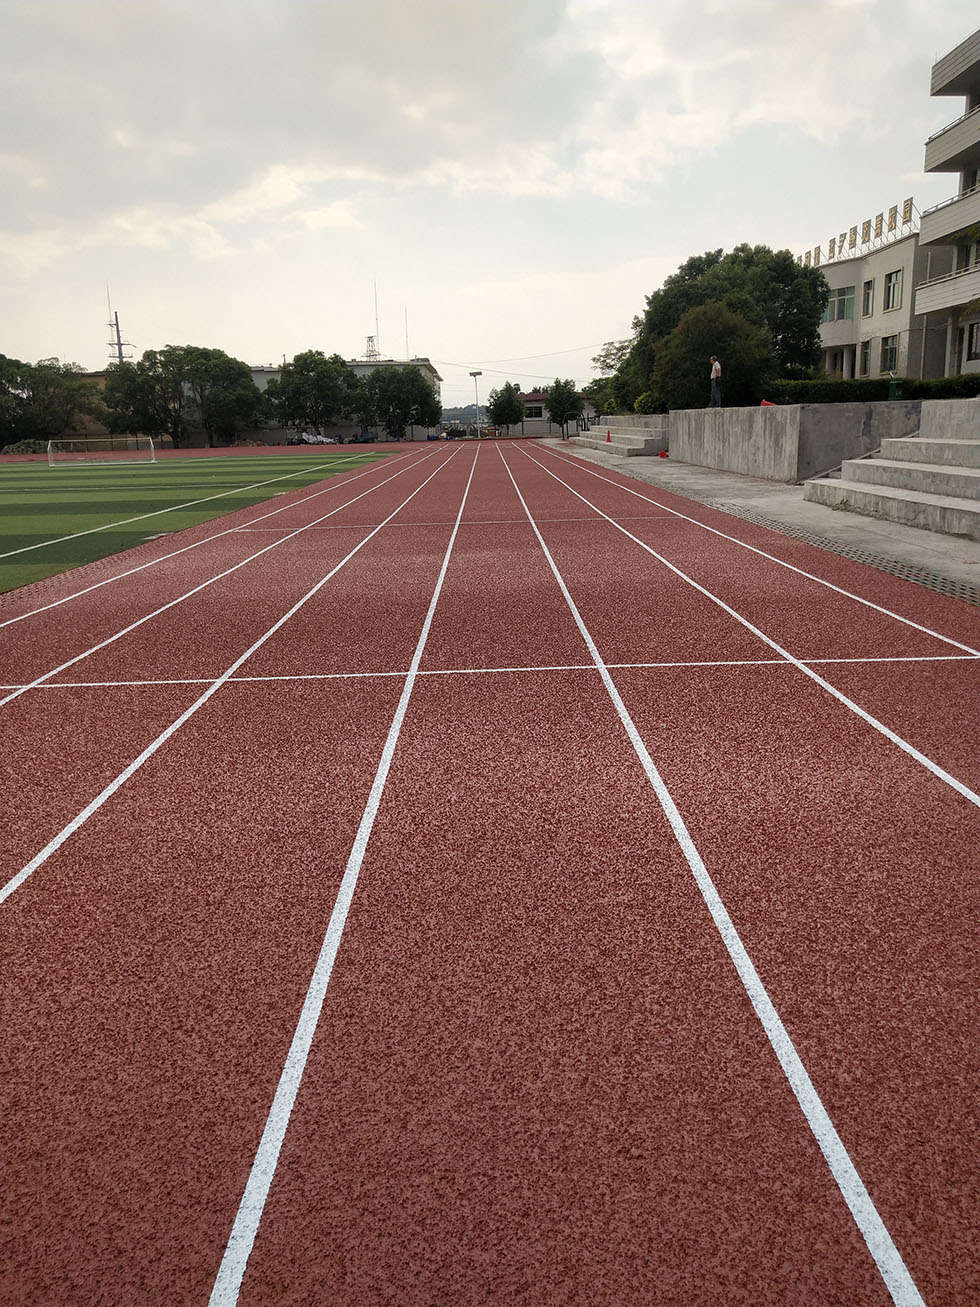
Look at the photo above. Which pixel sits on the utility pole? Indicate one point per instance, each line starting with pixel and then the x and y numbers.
pixel 117 344
pixel 476 392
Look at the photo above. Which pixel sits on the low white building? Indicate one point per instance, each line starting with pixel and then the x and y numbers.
pixel 870 327
pixel 950 295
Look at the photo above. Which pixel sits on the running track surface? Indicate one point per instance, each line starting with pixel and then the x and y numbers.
pixel 612 942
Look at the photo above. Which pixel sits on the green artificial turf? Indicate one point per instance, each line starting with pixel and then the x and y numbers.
pixel 40 504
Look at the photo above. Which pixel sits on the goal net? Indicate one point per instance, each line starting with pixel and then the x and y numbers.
pixel 102 449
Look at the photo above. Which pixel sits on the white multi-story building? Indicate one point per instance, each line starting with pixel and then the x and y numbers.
pixel 952 295
pixel 362 367
pixel 870 327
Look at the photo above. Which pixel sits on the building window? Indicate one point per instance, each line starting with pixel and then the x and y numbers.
pixel 868 299
pixel 533 411
pixel 893 290
pixel 840 305
pixel 864 366
pixel 973 341
pixel 889 353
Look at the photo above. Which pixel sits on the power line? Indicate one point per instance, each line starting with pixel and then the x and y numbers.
pixel 513 372
pixel 523 358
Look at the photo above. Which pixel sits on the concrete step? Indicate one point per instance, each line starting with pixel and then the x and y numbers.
pixel 943 513
pixel 626 446
pixel 917 449
pixel 925 478
pixel 633 421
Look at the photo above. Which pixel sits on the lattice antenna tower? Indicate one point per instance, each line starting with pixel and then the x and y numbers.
pixel 117 346
pixel 371 353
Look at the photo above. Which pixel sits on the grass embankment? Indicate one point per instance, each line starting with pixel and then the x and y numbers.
pixel 42 505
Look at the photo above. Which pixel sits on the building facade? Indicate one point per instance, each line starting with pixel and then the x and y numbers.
pixel 362 368
pixel 951 295
pixel 870 327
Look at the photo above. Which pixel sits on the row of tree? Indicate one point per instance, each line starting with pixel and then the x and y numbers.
pixel 755 308
pixel 42 399
pixel 506 407
pixel 180 390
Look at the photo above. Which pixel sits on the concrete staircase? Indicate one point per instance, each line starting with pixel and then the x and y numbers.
pixel 928 483
pixel 629 437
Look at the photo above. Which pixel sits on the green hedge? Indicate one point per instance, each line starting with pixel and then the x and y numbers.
pixel 868 390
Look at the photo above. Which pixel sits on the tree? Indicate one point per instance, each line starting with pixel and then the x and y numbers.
pixel 225 396
pixel 601 394
pixel 43 399
pixel 766 287
pixel 563 403
pixel 315 391
pixel 610 358
pixel 148 397
pixel 505 406
pixel 400 396
pixel 167 388
pixel 680 376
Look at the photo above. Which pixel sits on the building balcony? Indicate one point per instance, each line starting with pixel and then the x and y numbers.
pixel 949 222
pixel 948 292
pixel 958 73
pixel 955 146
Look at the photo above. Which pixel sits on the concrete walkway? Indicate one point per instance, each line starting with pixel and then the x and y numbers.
pixel 948 564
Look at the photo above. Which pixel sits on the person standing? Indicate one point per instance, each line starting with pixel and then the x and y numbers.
pixel 715 383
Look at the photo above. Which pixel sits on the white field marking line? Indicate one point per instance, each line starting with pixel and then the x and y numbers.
pixel 487 671
pixel 879 1242
pixel 173 508
pixel 46 676
pixel 848 594
pixel 119 576
pixel 82 817
pixel 645 517
pixel 884 730
pixel 245 1227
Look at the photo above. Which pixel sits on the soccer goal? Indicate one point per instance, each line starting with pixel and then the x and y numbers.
pixel 102 449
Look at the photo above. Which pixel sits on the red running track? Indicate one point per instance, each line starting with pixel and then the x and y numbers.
pixel 458 943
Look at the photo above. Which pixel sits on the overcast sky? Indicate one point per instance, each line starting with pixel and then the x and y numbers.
pixel 518 174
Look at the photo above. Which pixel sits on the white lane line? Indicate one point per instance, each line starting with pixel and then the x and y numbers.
pixel 490 671
pixel 848 594
pixel 119 576
pixel 879 1242
pixel 173 508
pixel 855 708
pixel 46 676
pixel 238 1250
pixel 82 817
pixel 645 517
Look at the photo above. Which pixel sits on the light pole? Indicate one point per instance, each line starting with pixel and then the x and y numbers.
pixel 476 392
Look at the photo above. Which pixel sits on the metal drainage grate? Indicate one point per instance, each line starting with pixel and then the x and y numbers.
pixel 943 585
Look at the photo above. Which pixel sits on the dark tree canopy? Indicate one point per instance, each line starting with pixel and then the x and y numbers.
pixel 505 406
pixel 169 387
pixel 314 391
pixel 765 287
pixel 681 377
pixel 398 397
pixel 563 402
pixel 43 399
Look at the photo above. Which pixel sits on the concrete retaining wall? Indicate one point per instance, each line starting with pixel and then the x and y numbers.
pixel 787 442
pixel 950 419
pixel 830 433
pixel 758 442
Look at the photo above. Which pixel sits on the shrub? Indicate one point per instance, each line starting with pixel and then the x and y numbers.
pixel 870 390
pixel 25 447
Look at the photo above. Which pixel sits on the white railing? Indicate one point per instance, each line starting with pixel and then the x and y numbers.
pixel 955 123
pixel 948 276
pixel 946 203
